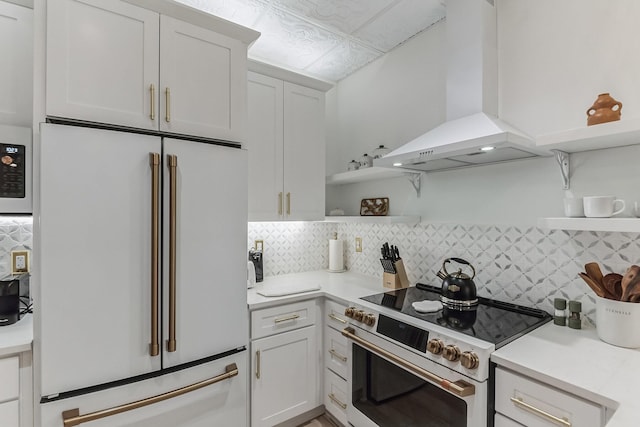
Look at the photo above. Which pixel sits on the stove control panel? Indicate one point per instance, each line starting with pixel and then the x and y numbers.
pixel 453 353
pixel 354 313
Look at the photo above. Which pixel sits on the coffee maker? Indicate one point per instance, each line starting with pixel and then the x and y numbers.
pixel 255 257
pixel 9 301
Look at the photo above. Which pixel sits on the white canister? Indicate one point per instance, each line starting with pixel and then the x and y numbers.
pixel 251 275
pixel 618 322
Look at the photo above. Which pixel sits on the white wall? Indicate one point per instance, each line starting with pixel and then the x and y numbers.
pixel 554 59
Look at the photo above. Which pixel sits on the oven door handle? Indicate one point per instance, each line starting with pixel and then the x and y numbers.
pixel 460 387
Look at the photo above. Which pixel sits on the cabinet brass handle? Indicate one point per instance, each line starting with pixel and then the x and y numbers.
pixel 152 92
pixel 72 417
pixel 539 412
pixel 167 115
pixel 154 161
pixel 288 203
pixel 172 163
pixel 460 387
pixel 337 355
pixel 337 401
pixel 334 317
pixel 280 203
pixel 285 319
pixel 258 364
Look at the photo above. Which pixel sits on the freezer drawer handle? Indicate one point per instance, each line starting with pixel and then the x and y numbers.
pixel 460 387
pixel 337 401
pixel 172 163
pixel 72 417
pixel 539 412
pixel 286 319
pixel 154 160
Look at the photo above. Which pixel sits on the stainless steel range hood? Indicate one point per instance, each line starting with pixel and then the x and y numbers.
pixel 472 134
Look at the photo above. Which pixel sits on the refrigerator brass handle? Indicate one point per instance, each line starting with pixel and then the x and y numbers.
pixel 337 355
pixel 154 160
pixel 540 413
pixel 167 99
pixel 258 364
pixel 334 317
pixel 288 203
pixel 280 203
pixel 72 417
pixel 460 387
pixel 152 94
pixel 172 163
pixel 285 319
pixel 337 401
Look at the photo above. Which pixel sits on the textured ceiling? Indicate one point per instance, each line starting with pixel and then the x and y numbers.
pixel 328 39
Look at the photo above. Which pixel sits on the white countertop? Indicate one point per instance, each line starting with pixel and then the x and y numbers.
pixel 18 337
pixel 578 362
pixel 342 287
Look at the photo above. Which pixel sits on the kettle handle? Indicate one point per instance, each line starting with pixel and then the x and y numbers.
pixel 459 261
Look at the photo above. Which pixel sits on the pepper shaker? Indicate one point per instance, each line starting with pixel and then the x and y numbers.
pixel 575 307
pixel 560 317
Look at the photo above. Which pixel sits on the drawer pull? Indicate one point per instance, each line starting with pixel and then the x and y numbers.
pixel 336 401
pixel 539 412
pixel 285 319
pixel 334 317
pixel 338 355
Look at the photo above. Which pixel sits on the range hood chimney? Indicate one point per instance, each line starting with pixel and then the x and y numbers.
pixel 472 133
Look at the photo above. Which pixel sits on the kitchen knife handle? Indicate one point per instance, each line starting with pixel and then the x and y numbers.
pixel 172 163
pixel 152 94
pixel 167 104
pixel 288 203
pixel 154 161
pixel 72 417
pixel 280 203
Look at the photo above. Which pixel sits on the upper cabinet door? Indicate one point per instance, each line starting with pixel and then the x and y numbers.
pixel 203 82
pixel 265 148
pixel 16 72
pixel 102 62
pixel 304 153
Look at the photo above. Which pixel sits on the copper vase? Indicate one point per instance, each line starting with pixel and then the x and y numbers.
pixel 604 109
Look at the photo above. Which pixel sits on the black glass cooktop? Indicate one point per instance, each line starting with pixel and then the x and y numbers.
pixel 493 321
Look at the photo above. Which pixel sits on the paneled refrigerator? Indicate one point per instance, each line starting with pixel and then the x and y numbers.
pixel 142 316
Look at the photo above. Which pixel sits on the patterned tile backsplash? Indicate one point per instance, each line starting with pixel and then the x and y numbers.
pixel 527 266
pixel 16 233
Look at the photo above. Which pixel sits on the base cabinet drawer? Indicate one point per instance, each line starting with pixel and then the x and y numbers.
pixel 535 404
pixel 335 396
pixel 334 315
pixel 283 318
pixel 502 421
pixel 335 352
pixel 9 378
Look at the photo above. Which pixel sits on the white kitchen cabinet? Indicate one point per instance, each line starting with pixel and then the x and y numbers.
pixel 336 396
pixel 16 72
pixel 16 408
pixel 535 404
pixel 284 382
pixel 286 145
pixel 120 64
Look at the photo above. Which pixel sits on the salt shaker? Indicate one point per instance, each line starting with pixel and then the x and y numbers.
pixel 575 307
pixel 559 316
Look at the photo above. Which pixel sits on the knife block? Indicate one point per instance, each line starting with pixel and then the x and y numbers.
pixel 396 280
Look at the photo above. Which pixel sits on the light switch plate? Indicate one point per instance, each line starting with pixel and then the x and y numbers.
pixel 358 244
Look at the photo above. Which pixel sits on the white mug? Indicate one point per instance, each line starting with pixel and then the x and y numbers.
pixel 573 207
pixel 636 209
pixel 602 206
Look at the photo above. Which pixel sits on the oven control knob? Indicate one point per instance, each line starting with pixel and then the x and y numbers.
pixel 370 319
pixel 435 346
pixel 469 360
pixel 359 315
pixel 349 311
pixel 451 353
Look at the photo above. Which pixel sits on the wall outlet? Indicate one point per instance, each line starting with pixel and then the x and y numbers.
pixel 19 262
pixel 259 245
pixel 358 244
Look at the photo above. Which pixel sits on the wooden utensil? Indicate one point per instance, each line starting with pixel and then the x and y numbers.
pixel 600 291
pixel 630 282
pixel 613 284
pixel 593 270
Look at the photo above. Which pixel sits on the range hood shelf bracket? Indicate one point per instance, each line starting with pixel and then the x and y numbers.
pixel 563 161
pixel 416 180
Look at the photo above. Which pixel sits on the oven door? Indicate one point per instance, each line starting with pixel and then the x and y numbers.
pixel 393 386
